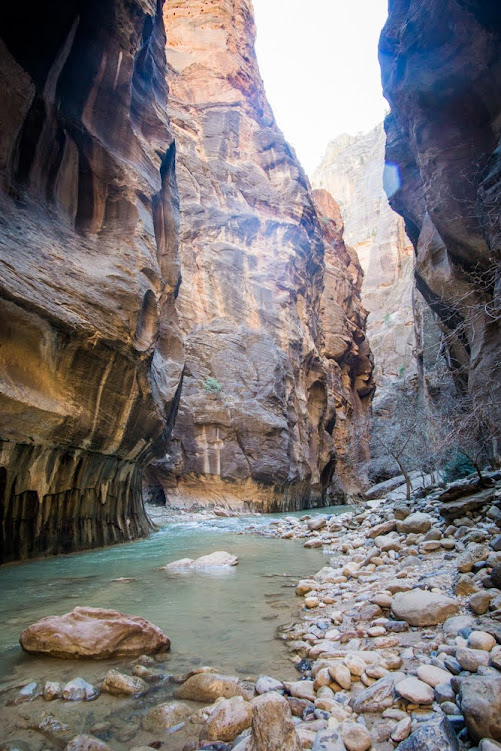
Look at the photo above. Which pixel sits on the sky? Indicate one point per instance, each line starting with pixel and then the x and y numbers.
pixel 318 60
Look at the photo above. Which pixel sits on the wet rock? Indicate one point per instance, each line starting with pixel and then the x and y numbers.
pixel 93 633
pixel 433 736
pixel 422 608
pixel 272 725
pixel 416 691
pixel 480 703
pixel 119 684
pixel 79 690
pixel 208 687
pixel 165 716
pixel 229 718
pixel 86 743
pixel 27 693
pixel 52 690
pixel 377 697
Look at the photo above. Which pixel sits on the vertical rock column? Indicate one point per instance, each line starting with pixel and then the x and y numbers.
pixel 90 353
pixel 256 420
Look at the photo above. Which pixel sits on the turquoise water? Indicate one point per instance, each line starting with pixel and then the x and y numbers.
pixel 227 620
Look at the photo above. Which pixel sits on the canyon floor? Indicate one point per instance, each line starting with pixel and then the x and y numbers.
pixel 395 643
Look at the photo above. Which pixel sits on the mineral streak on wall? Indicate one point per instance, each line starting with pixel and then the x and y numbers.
pixel 90 352
pixel 268 388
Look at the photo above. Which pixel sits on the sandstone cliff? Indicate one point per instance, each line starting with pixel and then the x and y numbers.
pixel 352 171
pixel 90 356
pixel 441 74
pixel 259 407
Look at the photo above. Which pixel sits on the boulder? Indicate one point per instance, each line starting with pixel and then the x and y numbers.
pixel 433 736
pixel 93 633
pixel 458 509
pixel 422 608
pixel 229 718
pixel 433 675
pixel 417 522
pixel 480 703
pixel 207 687
pixel 272 725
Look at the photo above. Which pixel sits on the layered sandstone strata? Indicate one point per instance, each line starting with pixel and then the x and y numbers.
pixel 441 74
pixel 258 412
pixel 352 171
pixel 90 356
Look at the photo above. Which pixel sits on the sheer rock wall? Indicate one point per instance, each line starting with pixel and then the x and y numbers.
pixel 352 171
pixel 90 353
pixel 256 423
pixel 441 67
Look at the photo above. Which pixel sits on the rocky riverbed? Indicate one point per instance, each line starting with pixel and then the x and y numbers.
pixel 398 646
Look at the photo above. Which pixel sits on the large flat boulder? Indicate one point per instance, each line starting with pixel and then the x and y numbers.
pixel 422 608
pixel 457 509
pixel 93 633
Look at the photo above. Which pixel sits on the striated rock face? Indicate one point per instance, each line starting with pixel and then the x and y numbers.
pixel 90 356
pixel 257 415
pixel 352 171
pixel 441 75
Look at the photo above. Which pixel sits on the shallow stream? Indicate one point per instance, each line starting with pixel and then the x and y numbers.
pixel 227 620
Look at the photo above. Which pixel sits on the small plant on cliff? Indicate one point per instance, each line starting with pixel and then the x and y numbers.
pixel 213 386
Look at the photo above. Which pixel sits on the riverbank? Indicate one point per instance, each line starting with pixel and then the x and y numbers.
pixel 396 643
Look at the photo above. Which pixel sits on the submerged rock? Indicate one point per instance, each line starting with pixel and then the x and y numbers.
pixel 165 716
pixel 93 633
pixel 119 684
pixel 210 686
pixel 79 690
pixel 86 743
pixel 219 559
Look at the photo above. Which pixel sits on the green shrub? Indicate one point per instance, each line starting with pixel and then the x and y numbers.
pixel 212 386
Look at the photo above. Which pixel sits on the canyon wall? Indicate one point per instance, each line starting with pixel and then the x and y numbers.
pixel 268 385
pixel 352 171
pixel 90 352
pixel 441 68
